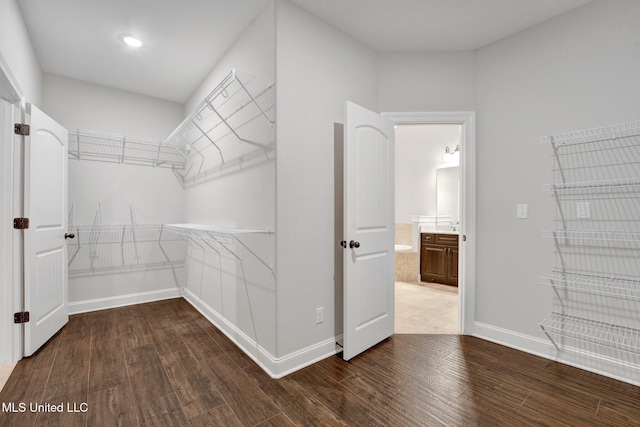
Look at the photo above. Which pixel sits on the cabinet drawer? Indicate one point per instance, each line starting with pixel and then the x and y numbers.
pixel 446 239
pixel 428 238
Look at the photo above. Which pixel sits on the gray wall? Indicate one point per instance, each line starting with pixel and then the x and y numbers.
pixel 318 69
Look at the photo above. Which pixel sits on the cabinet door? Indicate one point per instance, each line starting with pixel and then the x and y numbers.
pixel 433 263
pixel 452 267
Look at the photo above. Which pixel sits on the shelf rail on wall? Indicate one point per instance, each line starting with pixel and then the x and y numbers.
pixel 596 190
pixel 240 109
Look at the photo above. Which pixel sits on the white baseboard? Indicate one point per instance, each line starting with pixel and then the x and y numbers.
pixel 577 358
pixel 275 367
pixel 86 306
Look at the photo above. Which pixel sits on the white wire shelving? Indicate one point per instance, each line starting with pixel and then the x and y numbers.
pixel 614 184
pixel 100 248
pixel 610 286
pixel 593 235
pixel 587 136
pixel 109 147
pixel 240 109
pixel 610 335
pixel 224 241
pixel 599 166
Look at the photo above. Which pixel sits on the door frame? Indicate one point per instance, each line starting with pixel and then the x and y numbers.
pixel 10 187
pixel 467 261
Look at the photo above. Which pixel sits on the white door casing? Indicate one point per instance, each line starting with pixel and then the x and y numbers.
pixel 368 229
pixel 467 263
pixel 45 254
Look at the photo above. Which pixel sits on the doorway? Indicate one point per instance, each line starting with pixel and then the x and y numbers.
pixel 427 222
pixel 463 296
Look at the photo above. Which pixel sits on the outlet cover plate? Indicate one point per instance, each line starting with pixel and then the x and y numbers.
pixel 522 211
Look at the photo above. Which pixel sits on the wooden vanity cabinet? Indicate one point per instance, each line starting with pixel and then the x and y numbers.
pixel 439 258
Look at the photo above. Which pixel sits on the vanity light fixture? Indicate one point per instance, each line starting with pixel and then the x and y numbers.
pixel 132 41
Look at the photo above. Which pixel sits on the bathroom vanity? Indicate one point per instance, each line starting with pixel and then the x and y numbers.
pixel 439 257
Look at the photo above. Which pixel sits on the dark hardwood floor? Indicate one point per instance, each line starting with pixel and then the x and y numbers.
pixel 163 364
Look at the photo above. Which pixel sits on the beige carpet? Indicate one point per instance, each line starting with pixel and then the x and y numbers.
pixel 427 308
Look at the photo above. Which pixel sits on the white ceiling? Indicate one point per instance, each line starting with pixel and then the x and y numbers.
pixel 185 38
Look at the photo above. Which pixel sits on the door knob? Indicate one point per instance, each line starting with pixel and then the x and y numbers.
pixel 354 244
pixel 69 236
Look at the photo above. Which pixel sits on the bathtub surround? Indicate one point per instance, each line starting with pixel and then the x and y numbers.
pixel 406 255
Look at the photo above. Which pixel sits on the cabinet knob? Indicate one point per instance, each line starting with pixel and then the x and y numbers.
pixel 354 244
pixel 69 236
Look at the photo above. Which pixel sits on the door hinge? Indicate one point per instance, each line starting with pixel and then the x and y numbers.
pixel 20 223
pixel 21 129
pixel 21 317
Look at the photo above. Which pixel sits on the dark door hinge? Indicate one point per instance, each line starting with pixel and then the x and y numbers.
pixel 21 317
pixel 21 129
pixel 20 223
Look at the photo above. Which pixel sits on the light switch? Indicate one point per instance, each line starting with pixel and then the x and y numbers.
pixel 583 210
pixel 522 211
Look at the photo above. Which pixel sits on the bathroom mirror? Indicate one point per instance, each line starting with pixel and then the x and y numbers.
pixel 448 193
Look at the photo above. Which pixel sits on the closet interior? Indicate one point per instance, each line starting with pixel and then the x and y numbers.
pixel 229 132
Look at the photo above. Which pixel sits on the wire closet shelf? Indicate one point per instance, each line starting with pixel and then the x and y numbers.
pixel 597 196
pixel 221 240
pixel 108 147
pixel 102 248
pixel 240 109
pixel 600 333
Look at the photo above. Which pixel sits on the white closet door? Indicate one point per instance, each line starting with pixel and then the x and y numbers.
pixel 368 229
pixel 45 253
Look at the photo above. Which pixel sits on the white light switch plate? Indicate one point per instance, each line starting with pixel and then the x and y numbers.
pixel 522 211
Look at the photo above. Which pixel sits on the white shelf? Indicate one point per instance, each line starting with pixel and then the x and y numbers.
pixel 593 235
pixel 116 247
pixel 117 148
pixel 614 184
pixel 219 239
pixel 604 133
pixel 240 109
pixel 596 166
pixel 214 229
pixel 600 333
pixel 611 286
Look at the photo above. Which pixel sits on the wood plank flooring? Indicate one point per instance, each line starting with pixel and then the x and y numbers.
pixel 163 364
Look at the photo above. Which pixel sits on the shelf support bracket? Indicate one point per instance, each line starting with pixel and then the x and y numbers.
pixel 211 140
pixel 550 339
pixel 254 100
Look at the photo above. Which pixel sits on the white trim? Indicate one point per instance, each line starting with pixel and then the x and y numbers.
pixel 467 277
pixel 11 281
pixel 597 363
pixel 522 342
pixel 86 306
pixel 275 367
pixel 10 90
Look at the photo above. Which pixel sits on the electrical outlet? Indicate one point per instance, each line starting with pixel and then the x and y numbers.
pixel 319 315
pixel 583 210
pixel 522 211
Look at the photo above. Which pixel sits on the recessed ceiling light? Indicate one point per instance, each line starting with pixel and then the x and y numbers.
pixel 132 41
